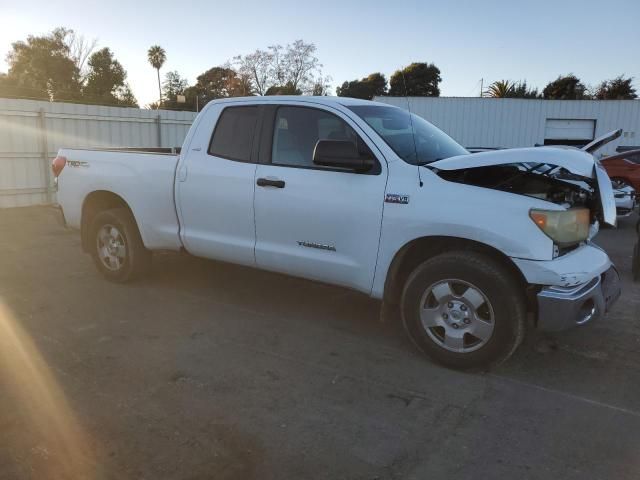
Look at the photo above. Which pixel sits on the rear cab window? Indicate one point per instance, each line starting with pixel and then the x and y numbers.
pixel 234 133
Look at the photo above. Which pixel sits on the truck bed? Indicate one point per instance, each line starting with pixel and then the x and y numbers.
pixel 143 179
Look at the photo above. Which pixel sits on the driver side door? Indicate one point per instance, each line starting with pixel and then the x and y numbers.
pixel 312 221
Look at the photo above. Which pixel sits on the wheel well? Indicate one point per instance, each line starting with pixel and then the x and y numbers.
pixel 94 203
pixel 421 249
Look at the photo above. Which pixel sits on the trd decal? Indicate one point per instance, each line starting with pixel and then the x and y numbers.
pixel 76 163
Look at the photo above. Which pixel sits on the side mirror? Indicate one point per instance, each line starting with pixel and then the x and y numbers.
pixel 340 154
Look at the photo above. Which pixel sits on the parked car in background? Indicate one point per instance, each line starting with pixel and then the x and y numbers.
pixel 624 169
pixel 365 196
pixel 626 200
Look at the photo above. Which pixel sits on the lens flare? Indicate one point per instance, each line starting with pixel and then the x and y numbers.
pixel 41 406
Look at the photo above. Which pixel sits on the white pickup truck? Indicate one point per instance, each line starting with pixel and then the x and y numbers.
pixel 468 247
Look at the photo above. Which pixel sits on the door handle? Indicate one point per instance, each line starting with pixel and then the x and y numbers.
pixel 267 182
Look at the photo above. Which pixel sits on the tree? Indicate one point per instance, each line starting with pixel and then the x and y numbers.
pixel 217 82
pixel 416 80
pixel 300 65
pixel 288 89
pixel 294 65
pixel 522 90
pixel 619 88
pixel 510 89
pixel 104 78
pixel 373 85
pixel 244 86
pixel 220 82
pixel 125 96
pixel 258 67
pixel 10 89
pixel 321 86
pixel 63 66
pixel 80 49
pixel 42 67
pixel 173 86
pixel 157 56
pixel 500 89
pixel 568 87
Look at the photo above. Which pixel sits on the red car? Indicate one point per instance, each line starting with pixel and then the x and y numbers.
pixel 624 169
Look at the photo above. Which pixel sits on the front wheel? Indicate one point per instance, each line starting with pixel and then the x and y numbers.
pixel 117 248
pixel 464 310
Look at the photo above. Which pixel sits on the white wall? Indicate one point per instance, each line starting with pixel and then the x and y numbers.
pixel 31 132
pixel 509 123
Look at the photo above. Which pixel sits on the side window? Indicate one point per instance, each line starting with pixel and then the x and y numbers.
pixel 298 129
pixel 234 132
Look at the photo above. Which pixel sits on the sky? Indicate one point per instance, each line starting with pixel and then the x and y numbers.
pixel 467 40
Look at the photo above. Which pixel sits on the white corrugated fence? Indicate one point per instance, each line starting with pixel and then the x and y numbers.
pixel 31 132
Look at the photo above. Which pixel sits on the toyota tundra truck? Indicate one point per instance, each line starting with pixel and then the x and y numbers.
pixel 469 249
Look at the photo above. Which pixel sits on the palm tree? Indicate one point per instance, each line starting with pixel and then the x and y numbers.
pixel 157 56
pixel 500 89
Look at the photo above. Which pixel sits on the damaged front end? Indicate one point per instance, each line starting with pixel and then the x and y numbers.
pixel 569 178
pixel 570 289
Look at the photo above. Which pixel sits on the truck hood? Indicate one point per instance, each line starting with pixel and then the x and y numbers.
pixel 545 161
pixel 575 161
pixel 602 141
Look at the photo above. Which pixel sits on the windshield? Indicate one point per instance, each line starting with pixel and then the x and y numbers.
pixel 411 137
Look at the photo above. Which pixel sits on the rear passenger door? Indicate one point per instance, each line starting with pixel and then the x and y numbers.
pixel 312 221
pixel 215 185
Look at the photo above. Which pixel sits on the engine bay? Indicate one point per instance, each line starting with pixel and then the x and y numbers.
pixel 551 184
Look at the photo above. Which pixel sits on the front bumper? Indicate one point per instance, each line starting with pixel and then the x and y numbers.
pixel 560 308
pixel 572 269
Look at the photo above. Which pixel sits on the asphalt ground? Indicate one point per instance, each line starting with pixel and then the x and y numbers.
pixel 212 371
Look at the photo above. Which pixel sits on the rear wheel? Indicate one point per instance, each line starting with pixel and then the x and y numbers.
pixel 116 246
pixel 464 310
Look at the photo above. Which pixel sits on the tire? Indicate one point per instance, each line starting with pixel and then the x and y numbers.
pixel 451 298
pixel 116 246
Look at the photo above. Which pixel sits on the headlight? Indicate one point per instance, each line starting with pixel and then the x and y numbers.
pixel 564 227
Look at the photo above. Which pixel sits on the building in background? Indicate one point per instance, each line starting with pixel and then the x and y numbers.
pixel 488 123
